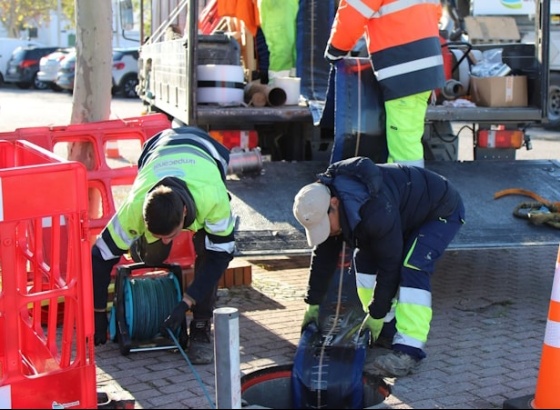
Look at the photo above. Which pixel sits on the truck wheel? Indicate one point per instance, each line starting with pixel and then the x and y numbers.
pixel 553 103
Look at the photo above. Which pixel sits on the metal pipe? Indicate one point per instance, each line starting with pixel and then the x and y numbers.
pixel 227 361
pixel 243 161
pixel 192 62
pixel 452 89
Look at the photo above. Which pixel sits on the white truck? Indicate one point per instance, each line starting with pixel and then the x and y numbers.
pixel 523 13
pixel 300 143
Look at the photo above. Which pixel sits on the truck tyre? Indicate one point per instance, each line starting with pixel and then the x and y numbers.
pixel 553 103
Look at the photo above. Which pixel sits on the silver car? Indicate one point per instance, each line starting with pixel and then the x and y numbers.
pixel 49 66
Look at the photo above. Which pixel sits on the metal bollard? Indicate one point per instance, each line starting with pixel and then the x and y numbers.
pixel 227 363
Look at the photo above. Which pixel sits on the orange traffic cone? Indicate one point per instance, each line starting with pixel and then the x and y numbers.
pixel 548 383
pixel 112 149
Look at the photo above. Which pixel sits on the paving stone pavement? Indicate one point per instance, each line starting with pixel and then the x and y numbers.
pixel 490 312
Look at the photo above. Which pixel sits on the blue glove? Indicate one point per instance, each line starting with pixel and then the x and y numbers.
pixel 333 54
pixel 311 315
pixel 176 318
pixel 374 325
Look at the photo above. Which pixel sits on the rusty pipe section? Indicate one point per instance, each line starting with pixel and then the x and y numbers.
pixel 260 95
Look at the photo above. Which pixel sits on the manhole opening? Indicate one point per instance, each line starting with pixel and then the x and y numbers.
pixel 272 388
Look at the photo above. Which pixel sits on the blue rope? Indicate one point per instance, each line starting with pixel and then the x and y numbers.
pixel 212 406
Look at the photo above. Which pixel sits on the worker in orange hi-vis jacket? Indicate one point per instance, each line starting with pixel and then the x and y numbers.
pixel 404 46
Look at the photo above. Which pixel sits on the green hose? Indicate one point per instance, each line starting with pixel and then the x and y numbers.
pixel 152 299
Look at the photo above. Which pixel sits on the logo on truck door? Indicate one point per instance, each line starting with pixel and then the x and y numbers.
pixel 512 4
pixel 509 7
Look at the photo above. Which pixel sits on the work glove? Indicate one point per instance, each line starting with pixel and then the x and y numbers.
pixel 333 54
pixel 311 315
pixel 175 319
pixel 101 322
pixel 374 325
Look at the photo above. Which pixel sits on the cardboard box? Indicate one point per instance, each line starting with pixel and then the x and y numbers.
pixel 509 91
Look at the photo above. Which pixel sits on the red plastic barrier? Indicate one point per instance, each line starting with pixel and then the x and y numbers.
pixel 103 178
pixel 44 360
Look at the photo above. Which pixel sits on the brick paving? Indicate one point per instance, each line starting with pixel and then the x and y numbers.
pixel 490 312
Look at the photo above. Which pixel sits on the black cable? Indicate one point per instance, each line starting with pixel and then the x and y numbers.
pixel 453 136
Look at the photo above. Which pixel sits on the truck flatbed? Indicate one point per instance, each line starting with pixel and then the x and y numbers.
pixel 215 114
pixel 266 224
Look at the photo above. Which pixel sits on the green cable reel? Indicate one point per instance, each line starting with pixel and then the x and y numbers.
pixel 142 303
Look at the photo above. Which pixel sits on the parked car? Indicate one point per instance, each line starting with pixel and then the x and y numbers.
pixel 7 47
pixel 23 66
pixel 66 72
pixel 49 66
pixel 125 72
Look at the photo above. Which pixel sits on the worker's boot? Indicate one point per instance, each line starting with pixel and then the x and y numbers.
pixel 394 364
pixel 101 323
pixel 201 348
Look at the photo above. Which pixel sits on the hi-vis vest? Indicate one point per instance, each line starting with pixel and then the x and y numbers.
pixel 403 41
pixel 191 156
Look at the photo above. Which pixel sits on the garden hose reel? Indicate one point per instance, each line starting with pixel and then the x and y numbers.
pixel 144 296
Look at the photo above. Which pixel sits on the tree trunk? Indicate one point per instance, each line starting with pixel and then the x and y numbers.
pixel 93 81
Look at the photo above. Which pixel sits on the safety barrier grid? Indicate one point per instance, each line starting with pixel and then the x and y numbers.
pixel 102 177
pixel 45 270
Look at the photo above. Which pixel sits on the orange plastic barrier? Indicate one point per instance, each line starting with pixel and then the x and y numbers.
pixel 103 178
pixel 44 361
pixel 100 134
pixel 548 382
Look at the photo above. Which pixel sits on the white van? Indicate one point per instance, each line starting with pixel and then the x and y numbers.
pixel 7 46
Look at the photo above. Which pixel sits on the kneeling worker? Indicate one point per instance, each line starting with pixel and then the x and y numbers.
pixel 399 220
pixel 180 186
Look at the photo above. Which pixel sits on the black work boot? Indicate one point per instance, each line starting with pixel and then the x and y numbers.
pixel 101 323
pixel 201 348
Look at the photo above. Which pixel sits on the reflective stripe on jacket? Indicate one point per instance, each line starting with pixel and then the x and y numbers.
pixel 194 159
pixel 403 42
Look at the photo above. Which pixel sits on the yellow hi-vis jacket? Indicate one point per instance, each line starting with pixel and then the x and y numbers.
pixel 192 163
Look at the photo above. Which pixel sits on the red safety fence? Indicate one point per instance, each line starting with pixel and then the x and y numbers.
pixel 46 307
pixel 110 175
